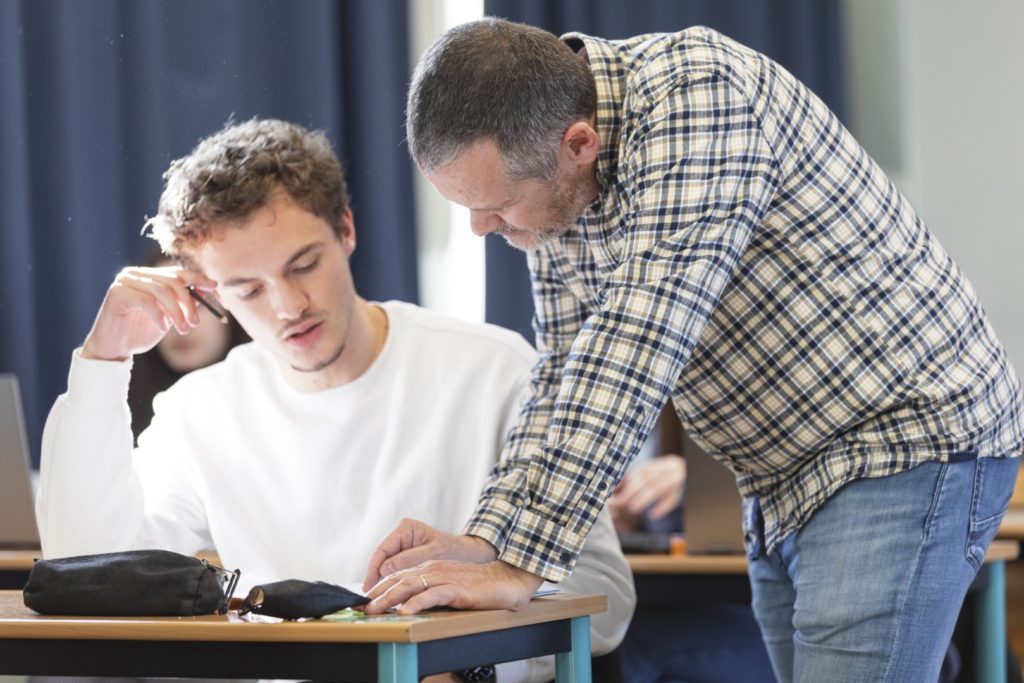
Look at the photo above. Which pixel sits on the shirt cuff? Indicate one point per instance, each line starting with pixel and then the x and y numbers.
pixel 98 384
pixel 526 539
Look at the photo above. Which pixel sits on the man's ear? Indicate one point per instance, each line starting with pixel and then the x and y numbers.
pixel 581 143
pixel 347 234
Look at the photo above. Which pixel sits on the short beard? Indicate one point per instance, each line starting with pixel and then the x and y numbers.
pixel 323 364
pixel 569 201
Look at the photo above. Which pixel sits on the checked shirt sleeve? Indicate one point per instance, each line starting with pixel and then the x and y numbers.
pixel 558 319
pixel 699 180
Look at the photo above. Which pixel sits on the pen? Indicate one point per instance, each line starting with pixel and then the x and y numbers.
pixel 221 315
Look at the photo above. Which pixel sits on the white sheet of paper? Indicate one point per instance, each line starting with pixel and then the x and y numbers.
pixel 546 588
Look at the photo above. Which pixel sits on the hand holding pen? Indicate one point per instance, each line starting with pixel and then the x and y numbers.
pixel 140 307
pixel 217 313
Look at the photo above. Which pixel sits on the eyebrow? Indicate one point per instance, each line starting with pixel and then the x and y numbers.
pixel 491 209
pixel 498 207
pixel 236 281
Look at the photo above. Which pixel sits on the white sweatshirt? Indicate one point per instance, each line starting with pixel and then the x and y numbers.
pixel 285 484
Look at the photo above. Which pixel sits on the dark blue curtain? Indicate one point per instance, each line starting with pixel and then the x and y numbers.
pixel 802 35
pixel 99 95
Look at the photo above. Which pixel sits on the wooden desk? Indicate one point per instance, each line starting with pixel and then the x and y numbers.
pixel 687 564
pixel 1013 524
pixel 15 566
pixel 998 551
pixel 1013 527
pixel 388 648
pixel 18 560
pixel 990 626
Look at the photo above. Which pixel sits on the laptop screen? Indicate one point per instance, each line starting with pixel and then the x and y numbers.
pixel 17 506
pixel 714 509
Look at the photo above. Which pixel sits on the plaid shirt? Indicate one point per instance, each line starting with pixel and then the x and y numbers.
pixel 748 259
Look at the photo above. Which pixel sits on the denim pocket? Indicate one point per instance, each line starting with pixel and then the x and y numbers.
pixel 994 479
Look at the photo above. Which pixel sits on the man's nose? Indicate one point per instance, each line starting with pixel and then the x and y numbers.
pixel 289 302
pixel 484 223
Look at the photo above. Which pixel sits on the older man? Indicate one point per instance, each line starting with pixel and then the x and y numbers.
pixel 701 228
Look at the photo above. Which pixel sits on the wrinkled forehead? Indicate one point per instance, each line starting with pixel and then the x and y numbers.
pixel 476 178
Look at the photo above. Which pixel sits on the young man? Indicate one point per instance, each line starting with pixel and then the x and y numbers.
pixel 701 228
pixel 298 452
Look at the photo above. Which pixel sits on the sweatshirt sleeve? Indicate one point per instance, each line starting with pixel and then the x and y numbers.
pixel 94 495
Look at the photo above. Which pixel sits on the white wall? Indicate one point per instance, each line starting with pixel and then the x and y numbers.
pixel 451 258
pixel 937 97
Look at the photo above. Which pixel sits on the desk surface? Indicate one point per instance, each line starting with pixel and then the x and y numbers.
pixel 687 564
pixel 1005 550
pixel 1013 523
pixel 17 560
pixel 17 621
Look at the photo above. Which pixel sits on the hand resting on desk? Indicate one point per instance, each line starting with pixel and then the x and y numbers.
pixel 420 567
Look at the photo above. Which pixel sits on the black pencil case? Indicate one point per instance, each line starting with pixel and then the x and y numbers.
pixel 296 599
pixel 131 583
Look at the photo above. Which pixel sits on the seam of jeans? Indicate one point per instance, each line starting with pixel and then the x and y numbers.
pixel 977 484
pixel 940 481
pixel 977 493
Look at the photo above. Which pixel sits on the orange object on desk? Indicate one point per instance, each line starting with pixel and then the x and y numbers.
pixel 677 545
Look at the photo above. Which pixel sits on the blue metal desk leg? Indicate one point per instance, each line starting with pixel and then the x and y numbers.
pixel 574 666
pixel 990 627
pixel 397 663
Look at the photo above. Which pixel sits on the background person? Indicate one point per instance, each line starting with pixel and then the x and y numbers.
pixel 706 635
pixel 176 354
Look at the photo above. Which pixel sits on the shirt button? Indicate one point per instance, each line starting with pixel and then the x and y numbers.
pixel 602 486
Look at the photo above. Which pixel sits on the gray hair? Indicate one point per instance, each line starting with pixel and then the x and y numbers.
pixel 513 83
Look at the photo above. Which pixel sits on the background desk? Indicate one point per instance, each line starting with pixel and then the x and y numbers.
pixel 389 648
pixel 1013 527
pixel 654 576
pixel 15 566
pixel 1013 524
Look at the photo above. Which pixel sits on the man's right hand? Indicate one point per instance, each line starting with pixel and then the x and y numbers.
pixel 140 307
pixel 413 542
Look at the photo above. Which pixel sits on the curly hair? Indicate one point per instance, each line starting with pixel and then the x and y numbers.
pixel 233 172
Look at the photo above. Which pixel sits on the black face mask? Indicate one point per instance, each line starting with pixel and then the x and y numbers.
pixel 295 599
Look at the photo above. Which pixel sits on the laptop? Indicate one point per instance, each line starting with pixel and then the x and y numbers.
pixel 17 505
pixel 713 507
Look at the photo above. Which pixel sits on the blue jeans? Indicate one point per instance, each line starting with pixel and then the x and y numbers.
pixel 869 589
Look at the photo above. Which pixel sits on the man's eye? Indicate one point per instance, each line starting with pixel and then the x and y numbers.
pixel 308 267
pixel 250 294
